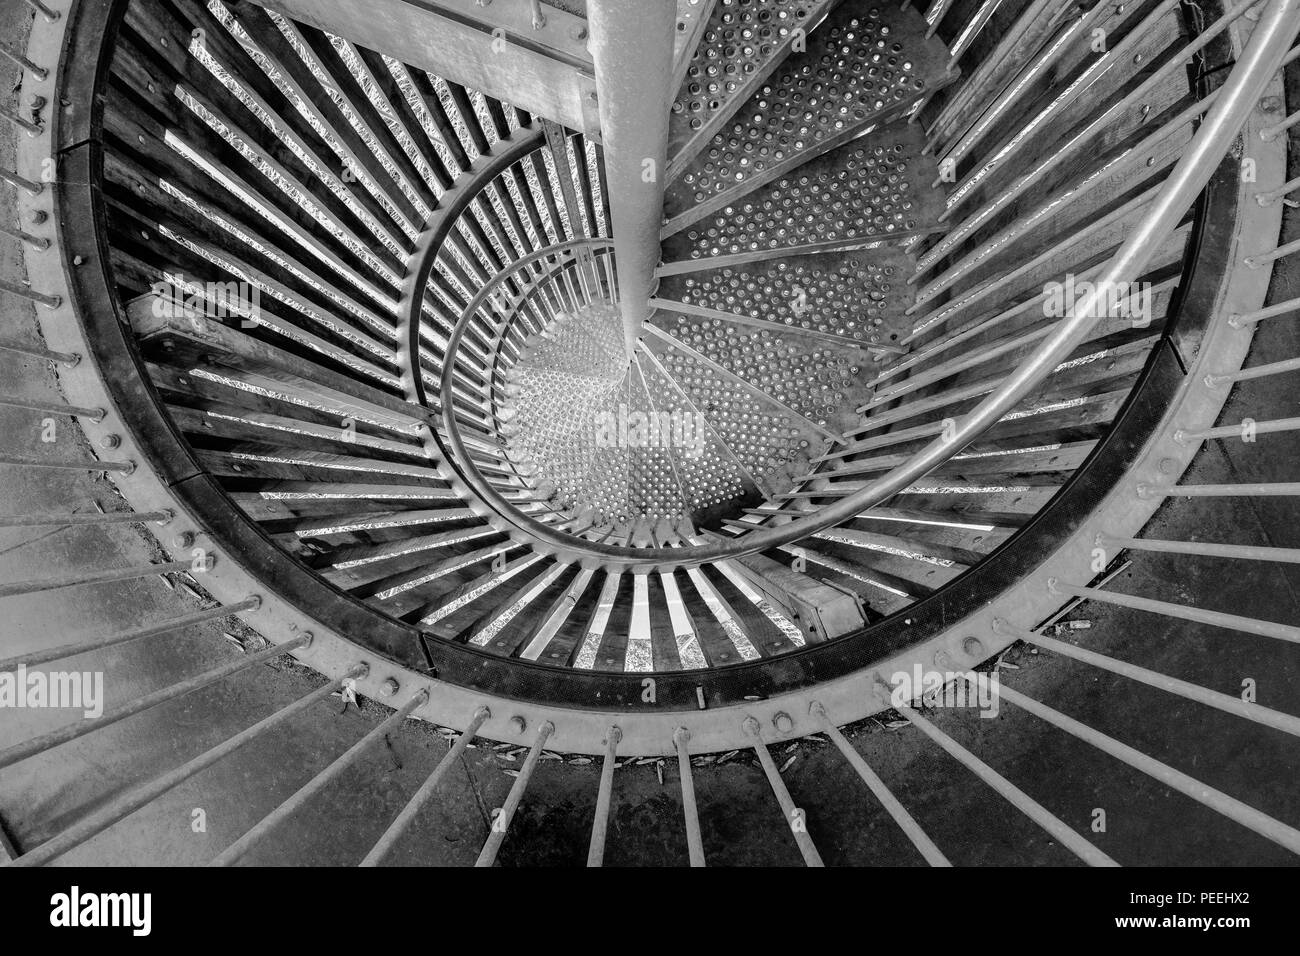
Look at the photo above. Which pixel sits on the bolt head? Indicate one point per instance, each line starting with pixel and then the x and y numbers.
pixel 518 724
pixel 783 722
pixel 388 688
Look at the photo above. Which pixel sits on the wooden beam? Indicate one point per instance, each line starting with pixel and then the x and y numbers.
pixel 495 49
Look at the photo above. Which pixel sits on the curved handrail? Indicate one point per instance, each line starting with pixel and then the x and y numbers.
pixel 1261 58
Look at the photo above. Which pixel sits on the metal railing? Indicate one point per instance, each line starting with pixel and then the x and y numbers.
pixel 1263 55
pixel 1274 31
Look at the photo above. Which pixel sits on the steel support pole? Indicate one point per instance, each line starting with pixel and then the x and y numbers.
pixel 599 826
pixel 137 705
pixel 132 800
pixel 694 838
pixel 45 655
pixel 237 850
pixel 1013 794
pixel 403 822
pixel 501 823
pixel 632 48
pixel 933 855
pixel 793 815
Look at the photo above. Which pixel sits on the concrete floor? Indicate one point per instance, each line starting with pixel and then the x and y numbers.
pixel 742 826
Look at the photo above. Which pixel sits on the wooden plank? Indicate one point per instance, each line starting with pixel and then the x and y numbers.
pixel 398 166
pixel 258 461
pixel 234 351
pixel 155 22
pixel 298 75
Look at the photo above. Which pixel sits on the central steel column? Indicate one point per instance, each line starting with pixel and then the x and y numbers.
pixel 632 48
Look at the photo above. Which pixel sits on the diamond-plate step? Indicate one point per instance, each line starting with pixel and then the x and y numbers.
pixel 618 441
pixel 866 191
pixel 819 381
pixel 837 299
pixel 739 48
pixel 865 66
pixel 768 438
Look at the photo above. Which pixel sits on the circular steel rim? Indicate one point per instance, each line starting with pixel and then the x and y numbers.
pixel 81 71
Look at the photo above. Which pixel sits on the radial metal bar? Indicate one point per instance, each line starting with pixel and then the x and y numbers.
pixel 794 817
pixel 52 408
pixel 49 301
pixel 162 627
pixel 25 184
pixel 316 784
pixel 1270 133
pixel 1257 371
pixel 1280 489
pixel 27 237
pixel 21 461
pixel 67 520
pixel 1232 622
pixel 33 129
pixel 67 358
pixel 933 855
pixel 397 829
pixel 1209 549
pixel 1017 797
pixel 501 823
pixel 49 14
pixel 101 577
pixel 127 803
pixel 70 732
pixel 632 48
pixel 600 825
pixel 1237 431
pixel 1264 258
pixel 1266 716
pixel 694 841
pixel 1271 196
pixel 1216 800
pixel 1238 319
pixel 38 71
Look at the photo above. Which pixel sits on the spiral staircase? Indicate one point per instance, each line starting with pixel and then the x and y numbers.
pixel 636 388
